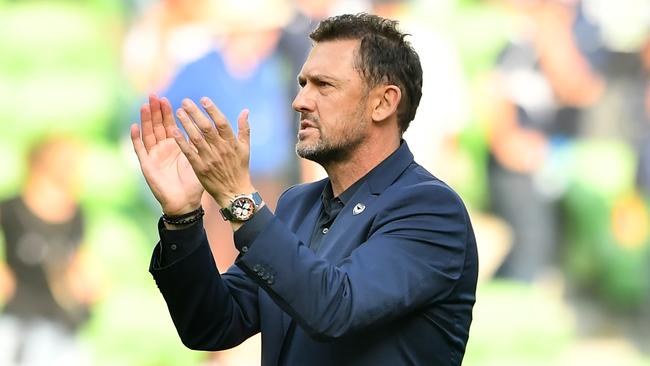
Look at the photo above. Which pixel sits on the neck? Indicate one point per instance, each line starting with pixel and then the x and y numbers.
pixel 48 201
pixel 343 174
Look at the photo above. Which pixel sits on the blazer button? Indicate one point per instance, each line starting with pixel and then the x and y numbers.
pixel 266 276
pixel 257 268
pixel 270 280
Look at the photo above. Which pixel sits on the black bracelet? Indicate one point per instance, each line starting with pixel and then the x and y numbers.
pixel 188 218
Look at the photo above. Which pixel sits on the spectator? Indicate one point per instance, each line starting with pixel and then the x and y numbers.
pixel 50 284
pixel 541 80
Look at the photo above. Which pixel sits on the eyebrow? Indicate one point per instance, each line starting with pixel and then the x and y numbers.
pixel 317 77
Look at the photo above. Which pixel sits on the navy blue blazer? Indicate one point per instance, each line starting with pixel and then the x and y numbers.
pixel 392 284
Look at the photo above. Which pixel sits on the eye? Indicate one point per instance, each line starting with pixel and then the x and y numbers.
pixel 323 84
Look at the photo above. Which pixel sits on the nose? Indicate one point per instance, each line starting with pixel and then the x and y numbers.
pixel 302 102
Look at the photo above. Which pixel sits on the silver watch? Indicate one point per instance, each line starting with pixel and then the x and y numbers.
pixel 242 207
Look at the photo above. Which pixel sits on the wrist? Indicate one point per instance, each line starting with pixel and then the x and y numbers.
pixel 180 211
pixel 177 222
pixel 176 227
pixel 225 199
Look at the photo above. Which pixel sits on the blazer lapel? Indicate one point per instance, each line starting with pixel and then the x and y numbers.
pixel 341 240
pixel 335 247
pixel 309 222
pixel 342 237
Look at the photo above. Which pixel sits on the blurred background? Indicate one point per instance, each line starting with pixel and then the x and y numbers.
pixel 536 111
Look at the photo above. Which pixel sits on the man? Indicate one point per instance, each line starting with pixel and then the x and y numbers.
pixel 375 265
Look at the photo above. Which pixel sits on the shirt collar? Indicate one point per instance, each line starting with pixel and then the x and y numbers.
pixel 379 177
pixel 328 194
pixel 344 197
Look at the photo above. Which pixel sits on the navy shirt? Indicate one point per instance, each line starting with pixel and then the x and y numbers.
pixel 330 210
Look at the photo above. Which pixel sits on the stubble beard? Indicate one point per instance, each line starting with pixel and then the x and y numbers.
pixel 330 149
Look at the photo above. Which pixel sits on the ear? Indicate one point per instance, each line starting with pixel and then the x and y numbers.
pixel 387 98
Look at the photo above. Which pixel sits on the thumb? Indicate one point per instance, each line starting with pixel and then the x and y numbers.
pixel 243 128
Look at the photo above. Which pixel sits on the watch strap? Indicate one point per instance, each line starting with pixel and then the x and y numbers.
pixel 257 199
pixel 226 214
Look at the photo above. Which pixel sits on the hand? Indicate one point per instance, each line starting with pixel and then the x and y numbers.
pixel 522 151
pixel 7 283
pixel 219 158
pixel 84 279
pixel 166 170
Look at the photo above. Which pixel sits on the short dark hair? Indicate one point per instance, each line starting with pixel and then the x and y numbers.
pixel 385 56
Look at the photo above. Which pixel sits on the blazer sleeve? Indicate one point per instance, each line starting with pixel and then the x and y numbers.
pixel 210 311
pixel 414 255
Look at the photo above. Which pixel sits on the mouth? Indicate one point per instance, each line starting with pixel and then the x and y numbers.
pixel 305 124
pixel 306 128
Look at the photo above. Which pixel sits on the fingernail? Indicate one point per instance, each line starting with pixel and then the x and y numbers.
pixel 205 102
pixel 180 112
pixel 186 103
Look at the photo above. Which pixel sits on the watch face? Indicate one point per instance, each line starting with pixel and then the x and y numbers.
pixel 243 208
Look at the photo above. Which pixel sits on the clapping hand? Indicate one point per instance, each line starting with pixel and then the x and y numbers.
pixel 165 168
pixel 219 158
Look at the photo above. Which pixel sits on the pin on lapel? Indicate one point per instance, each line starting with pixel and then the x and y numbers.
pixel 358 208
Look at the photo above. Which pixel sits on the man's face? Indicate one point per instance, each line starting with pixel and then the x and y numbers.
pixel 332 103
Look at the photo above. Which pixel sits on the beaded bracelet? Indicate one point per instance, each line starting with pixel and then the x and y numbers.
pixel 188 218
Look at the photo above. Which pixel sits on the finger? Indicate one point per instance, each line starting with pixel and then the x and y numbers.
pixel 196 138
pixel 138 146
pixel 201 121
pixel 157 118
pixel 168 117
pixel 243 127
pixel 223 127
pixel 188 150
pixel 148 137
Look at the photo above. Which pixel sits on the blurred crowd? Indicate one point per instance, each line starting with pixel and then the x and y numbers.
pixel 536 111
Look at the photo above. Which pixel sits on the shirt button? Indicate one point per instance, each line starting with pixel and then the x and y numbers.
pixel 244 249
pixel 173 247
pixel 325 230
